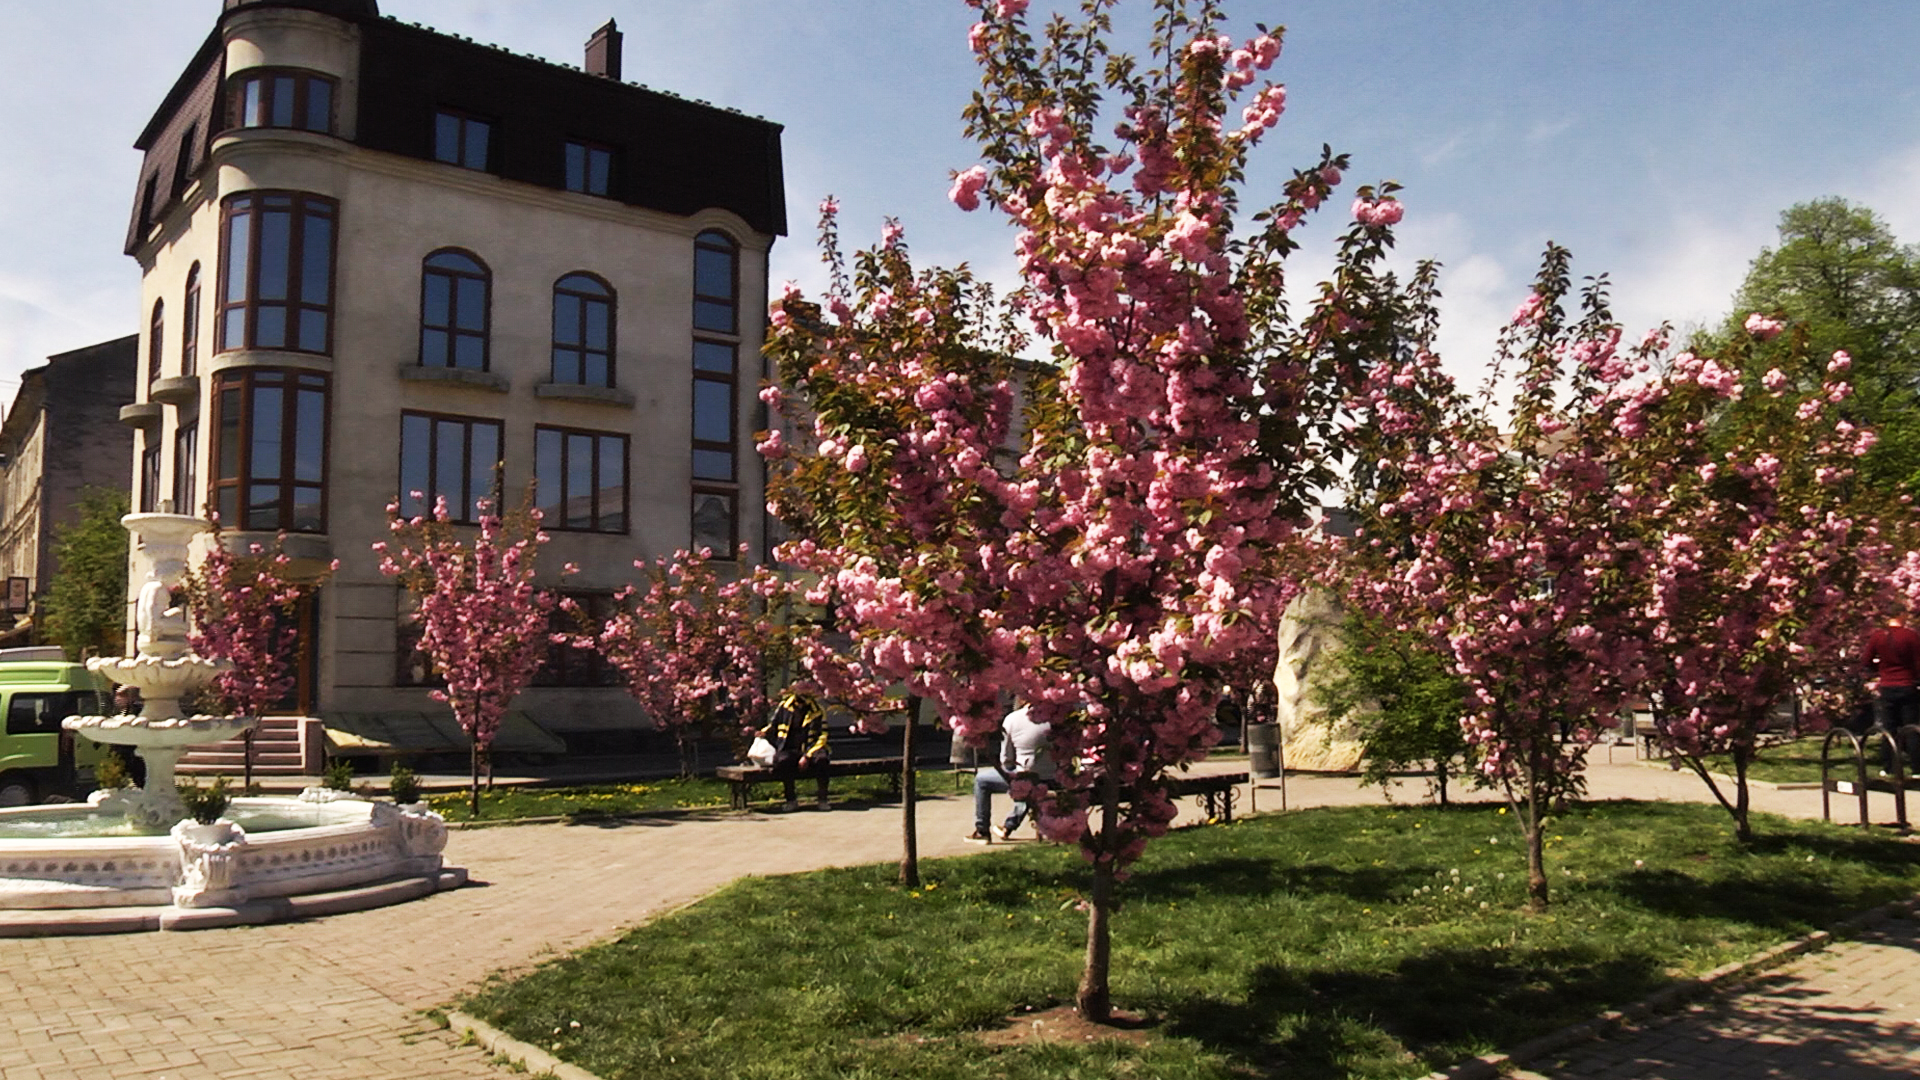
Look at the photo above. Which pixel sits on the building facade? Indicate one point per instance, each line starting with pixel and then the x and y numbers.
pixel 379 260
pixel 60 437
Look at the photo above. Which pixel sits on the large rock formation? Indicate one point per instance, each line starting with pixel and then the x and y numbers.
pixel 1309 643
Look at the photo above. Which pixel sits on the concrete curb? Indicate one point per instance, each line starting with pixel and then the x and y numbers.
pixel 1669 999
pixel 526 1055
pixel 50 922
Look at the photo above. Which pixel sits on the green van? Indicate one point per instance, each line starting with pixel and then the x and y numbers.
pixel 38 757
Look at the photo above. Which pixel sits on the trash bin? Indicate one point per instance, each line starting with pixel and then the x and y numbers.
pixel 1263 750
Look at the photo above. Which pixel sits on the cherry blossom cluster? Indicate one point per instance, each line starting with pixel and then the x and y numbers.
pixel 698 651
pixel 242 609
pixel 483 622
pixel 1113 552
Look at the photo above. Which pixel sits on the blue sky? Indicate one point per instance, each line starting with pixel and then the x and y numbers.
pixel 1658 140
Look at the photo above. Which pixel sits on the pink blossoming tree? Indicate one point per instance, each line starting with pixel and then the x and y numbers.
pixel 698 650
pixel 1116 561
pixel 1767 557
pixel 242 609
pixel 1511 551
pixel 483 624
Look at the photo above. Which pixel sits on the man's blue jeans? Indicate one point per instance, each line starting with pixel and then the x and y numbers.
pixel 987 783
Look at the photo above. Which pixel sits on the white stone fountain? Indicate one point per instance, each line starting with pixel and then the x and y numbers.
pixel 163 671
pixel 132 860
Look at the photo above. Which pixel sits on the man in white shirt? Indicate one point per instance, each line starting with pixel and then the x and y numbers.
pixel 1025 753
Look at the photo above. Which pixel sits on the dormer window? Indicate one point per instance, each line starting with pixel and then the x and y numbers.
pixel 589 167
pixel 280 98
pixel 460 139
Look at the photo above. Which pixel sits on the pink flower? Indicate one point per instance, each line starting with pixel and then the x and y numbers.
pixel 1007 9
pixel 967 186
pixel 1763 328
pixel 1842 360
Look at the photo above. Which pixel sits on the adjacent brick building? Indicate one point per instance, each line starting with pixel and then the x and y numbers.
pixel 59 437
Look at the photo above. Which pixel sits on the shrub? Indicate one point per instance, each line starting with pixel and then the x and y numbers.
pixel 112 772
pixel 205 805
pixel 403 784
pixel 339 775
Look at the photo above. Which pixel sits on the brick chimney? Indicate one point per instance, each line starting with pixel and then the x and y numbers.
pixel 603 52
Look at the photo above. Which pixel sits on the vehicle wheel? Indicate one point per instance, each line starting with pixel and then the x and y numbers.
pixel 15 791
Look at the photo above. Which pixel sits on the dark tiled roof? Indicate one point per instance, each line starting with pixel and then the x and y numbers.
pixel 674 155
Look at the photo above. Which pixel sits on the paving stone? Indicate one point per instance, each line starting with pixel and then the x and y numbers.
pixel 338 998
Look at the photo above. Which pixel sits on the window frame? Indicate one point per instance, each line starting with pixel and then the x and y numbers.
pixel 730 382
pixel 246 380
pixel 462 118
pixel 715 240
pixel 156 340
pixel 300 112
pixel 558 522
pixel 302 208
pixel 451 329
pixel 458 511
pixel 612 301
pixel 150 476
pixel 587 148
pixel 190 323
pixel 183 161
pixel 186 451
pixel 730 551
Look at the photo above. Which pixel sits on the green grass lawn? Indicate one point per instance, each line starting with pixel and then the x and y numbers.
pixel 1356 942
pixel 1798 761
pixel 617 800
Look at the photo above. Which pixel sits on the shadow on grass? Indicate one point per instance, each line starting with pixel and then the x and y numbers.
pixel 1442 1005
pixel 1250 877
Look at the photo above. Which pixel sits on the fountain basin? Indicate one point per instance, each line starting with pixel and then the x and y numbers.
pixel 318 847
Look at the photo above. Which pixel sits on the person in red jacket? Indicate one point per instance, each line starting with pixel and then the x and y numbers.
pixel 1892 653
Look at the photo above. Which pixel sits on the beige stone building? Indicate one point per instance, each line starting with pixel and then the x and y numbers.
pixel 378 259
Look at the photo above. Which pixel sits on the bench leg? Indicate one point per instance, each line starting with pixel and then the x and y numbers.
pixel 739 794
pixel 821 788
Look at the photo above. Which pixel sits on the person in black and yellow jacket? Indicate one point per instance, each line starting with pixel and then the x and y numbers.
pixel 798 731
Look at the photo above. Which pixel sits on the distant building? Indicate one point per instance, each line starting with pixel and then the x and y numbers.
pixel 60 436
pixel 379 259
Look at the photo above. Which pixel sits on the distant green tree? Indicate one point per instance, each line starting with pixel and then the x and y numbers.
pixel 1397 693
pixel 85 610
pixel 1842 278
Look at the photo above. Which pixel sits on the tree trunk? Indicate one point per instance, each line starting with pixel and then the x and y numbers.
pixel 1440 775
pixel 1095 1001
pixel 1536 853
pixel 474 760
pixel 1742 827
pixel 909 830
pixel 246 773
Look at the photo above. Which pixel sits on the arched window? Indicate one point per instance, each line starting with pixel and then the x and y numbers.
pixel 190 326
pixel 716 283
pixel 583 313
pixel 454 288
pixel 156 339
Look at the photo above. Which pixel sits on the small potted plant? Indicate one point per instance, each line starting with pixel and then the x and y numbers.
pixel 404 785
pixel 204 806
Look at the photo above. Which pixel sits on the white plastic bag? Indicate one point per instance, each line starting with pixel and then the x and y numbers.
pixel 761 752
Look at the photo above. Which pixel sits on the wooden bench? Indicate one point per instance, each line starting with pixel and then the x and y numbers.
pixel 1217 792
pixel 741 778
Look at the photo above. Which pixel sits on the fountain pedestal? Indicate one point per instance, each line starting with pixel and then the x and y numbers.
pixel 163 672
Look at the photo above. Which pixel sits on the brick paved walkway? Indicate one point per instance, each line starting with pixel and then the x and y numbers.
pixel 1850 1013
pixel 340 997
